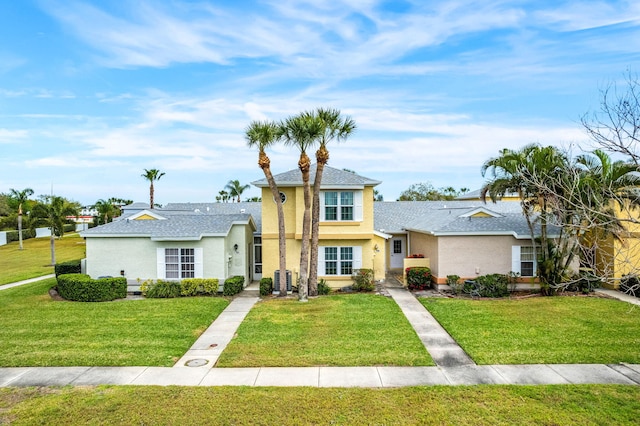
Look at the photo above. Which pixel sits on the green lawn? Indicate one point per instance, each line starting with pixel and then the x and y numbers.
pixel 490 405
pixel 35 259
pixel 341 330
pixel 37 331
pixel 541 330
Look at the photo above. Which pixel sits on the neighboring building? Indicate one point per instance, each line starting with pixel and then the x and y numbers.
pixel 219 240
pixel 172 243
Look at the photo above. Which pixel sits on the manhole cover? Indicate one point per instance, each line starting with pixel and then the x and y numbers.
pixel 196 362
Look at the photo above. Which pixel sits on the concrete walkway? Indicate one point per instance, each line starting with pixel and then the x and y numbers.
pixel 619 295
pixel 32 280
pixel 370 377
pixel 207 349
pixel 443 349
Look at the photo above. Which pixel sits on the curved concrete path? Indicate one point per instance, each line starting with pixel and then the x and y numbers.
pixel 32 280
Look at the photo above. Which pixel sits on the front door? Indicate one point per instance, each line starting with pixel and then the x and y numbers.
pixel 257 258
pixel 398 252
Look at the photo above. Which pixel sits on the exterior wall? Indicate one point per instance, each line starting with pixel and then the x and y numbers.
pixel 138 257
pixel 238 262
pixel 428 246
pixel 472 256
pixel 331 233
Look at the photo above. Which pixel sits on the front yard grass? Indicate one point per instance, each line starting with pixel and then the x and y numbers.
pixel 38 331
pixel 35 259
pixel 542 330
pixel 339 330
pixel 156 405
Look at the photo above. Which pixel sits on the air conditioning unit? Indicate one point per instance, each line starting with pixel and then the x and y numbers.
pixel 276 281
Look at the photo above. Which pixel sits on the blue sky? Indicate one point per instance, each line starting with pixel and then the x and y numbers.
pixel 93 92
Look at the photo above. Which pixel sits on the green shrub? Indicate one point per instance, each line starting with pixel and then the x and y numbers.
pixel 362 280
pixel 82 288
pixel 69 227
pixel 70 267
pixel 584 282
pixel 15 235
pixel 199 286
pixel 630 284
pixel 418 278
pixel 492 285
pixel 233 285
pixel 266 286
pixel 162 289
pixel 323 287
pixel 453 281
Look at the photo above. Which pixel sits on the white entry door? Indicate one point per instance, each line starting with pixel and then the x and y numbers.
pixel 398 252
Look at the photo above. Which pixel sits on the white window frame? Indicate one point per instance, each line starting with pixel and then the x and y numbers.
pixel 356 207
pixel 183 263
pixel 517 260
pixel 340 260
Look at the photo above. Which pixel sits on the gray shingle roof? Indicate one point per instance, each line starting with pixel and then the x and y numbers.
pixel 443 217
pixel 330 177
pixel 177 225
pixel 253 208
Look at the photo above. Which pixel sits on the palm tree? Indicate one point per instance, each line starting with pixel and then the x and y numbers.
pixel 303 131
pixel 54 215
pixel 263 135
pixel 21 197
pixel 236 189
pixel 106 210
pixel 333 126
pixel 152 175
pixel 534 172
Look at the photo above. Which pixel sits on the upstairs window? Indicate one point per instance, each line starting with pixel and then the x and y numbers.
pixel 341 206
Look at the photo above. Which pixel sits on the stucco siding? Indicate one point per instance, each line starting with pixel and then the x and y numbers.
pixel 426 245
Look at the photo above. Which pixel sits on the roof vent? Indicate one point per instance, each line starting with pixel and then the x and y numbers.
pixel 197 210
pixel 242 210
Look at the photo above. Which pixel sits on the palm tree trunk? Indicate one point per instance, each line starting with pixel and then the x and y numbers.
pixel 151 195
pixel 315 230
pixel 52 244
pixel 20 227
pixel 282 240
pixel 303 289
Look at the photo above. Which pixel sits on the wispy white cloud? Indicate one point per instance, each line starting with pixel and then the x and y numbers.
pixel 12 136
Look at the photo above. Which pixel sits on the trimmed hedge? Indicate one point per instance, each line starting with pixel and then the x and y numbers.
pixel 418 278
pixel 70 267
pixel 83 288
pixel 199 286
pixel 15 236
pixel 266 286
pixel 233 285
pixel 492 285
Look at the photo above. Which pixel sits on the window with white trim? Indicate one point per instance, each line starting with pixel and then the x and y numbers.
pixel 178 263
pixel 529 262
pixel 341 205
pixel 340 261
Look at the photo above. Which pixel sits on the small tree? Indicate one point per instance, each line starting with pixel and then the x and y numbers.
pixel 152 175
pixel 236 189
pixel 21 197
pixel 54 214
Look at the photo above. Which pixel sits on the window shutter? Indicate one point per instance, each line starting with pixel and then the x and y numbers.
pixel 357 257
pixel 161 266
pixel 322 215
pixel 357 206
pixel 198 266
pixel 321 261
pixel 515 259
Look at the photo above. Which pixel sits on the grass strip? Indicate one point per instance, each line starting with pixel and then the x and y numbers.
pixel 494 405
pixel 338 330
pixel 542 330
pixel 38 331
pixel 35 259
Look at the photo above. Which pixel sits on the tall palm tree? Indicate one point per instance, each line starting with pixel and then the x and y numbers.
pixel 152 175
pixel 236 189
pixel 21 197
pixel 54 215
pixel 333 127
pixel 263 135
pixel 106 210
pixel 303 131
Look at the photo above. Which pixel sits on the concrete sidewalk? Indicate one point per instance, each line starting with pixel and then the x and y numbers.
pixel 342 377
pixel 443 349
pixel 32 280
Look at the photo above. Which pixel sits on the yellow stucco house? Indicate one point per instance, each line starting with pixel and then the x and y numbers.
pixel 348 239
